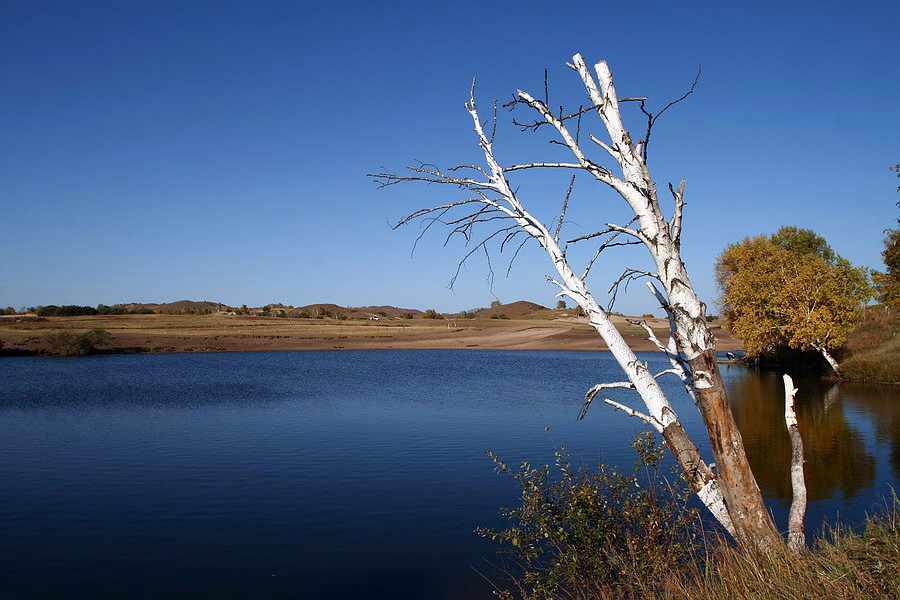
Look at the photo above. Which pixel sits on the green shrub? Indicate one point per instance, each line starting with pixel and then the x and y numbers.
pixel 68 310
pixel 408 315
pixel 579 533
pixel 432 314
pixel 69 343
pixel 499 316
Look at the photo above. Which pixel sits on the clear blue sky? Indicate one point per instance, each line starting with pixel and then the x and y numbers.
pixel 156 151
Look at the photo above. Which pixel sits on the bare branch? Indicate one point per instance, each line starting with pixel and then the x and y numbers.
pixel 425 211
pixel 675 224
pixel 480 245
pixel 651 118
pixel 609 243
pixel 667 372
pixel 534 125
pixel 543 166
pixel 634 413
pixel 610 228
pixel 494 126
pixel 616 155
pixel 599 171
pixel 516 254
pixel 591 393
pixel 565 206
pixel 627 277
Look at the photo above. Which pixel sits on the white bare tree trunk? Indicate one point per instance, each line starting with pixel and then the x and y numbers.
pixel 732 494
pixel 796 535
pixel 829 359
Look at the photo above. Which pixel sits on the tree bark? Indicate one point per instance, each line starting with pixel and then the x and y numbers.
pixel 796 535
pixel 829 359
pixel 732 494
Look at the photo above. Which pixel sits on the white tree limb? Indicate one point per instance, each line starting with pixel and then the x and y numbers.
pixel 634 413
pixel 796 536
pixel 828 358
pixel 737 503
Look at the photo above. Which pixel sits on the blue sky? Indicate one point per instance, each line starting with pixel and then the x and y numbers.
pixel 156 151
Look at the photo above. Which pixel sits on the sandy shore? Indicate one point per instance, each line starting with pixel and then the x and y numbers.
pixel 224 333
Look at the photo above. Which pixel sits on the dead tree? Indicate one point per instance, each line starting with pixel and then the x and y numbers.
pixel 731 492
pixel 796 535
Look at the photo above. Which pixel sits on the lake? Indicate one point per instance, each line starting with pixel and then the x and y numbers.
pixel 347 474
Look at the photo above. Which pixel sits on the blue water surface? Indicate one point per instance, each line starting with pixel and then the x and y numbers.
pixel 302 474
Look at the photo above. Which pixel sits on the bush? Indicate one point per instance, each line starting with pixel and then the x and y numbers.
pixel 68 310
pixel 580 533
pixel 432 314
pixel 68 343
pixel 499 316
pixel 408 315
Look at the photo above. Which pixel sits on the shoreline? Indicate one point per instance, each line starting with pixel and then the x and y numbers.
pixel 164 334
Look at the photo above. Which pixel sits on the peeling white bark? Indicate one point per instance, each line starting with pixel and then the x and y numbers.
pixel 796 536
pixel 829 358
pixel 691 351
pixel 711 496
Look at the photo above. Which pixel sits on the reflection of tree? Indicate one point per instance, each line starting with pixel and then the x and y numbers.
pixel 880 403
pixel 835 452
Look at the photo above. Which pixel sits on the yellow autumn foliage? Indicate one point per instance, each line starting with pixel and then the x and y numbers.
pixel 774 297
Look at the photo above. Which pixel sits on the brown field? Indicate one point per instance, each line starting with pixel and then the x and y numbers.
pixel 527 328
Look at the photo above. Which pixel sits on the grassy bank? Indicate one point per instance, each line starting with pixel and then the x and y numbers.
pixel 582 532
pixel 872 351
pixel 842 564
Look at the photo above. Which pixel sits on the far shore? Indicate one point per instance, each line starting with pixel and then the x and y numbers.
pixel 163 333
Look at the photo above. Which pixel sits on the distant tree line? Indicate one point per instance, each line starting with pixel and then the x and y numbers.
pixel 71 310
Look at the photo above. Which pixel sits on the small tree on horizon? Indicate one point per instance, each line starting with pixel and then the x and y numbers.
pixel 790 290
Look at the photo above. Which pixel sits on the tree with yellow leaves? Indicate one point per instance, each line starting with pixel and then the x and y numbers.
pixel 790 290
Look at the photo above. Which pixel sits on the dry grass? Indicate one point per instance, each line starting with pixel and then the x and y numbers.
pixel 872 352
pixel 541 329
pixel 843 565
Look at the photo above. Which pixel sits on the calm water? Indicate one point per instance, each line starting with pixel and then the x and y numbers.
pixel 343 474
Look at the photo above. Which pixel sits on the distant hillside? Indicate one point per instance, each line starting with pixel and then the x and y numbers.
pixel 514 310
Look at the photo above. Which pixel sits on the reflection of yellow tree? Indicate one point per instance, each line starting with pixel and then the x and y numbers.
pixel 835 452
pixel 880 403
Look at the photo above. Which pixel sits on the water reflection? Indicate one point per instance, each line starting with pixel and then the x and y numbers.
pixel 882 403
pixel 837 459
